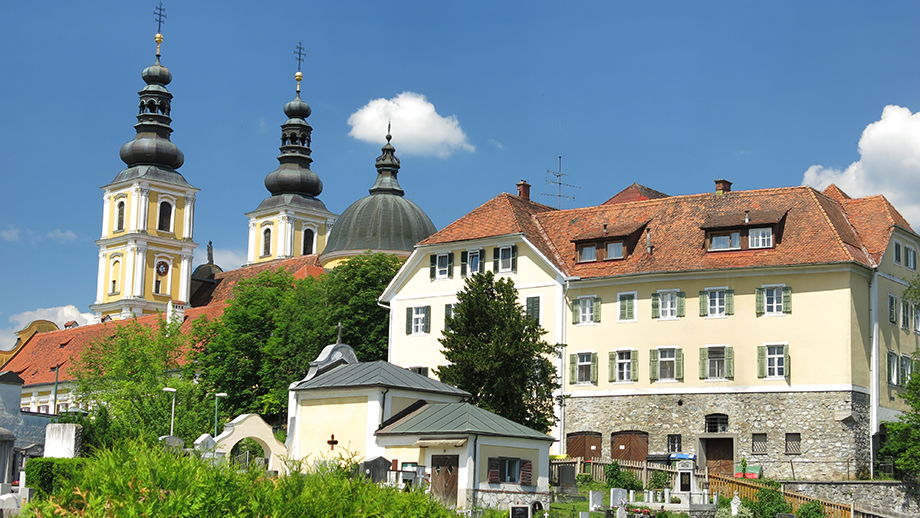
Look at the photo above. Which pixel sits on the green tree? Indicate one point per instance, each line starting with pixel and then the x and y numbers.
pixel 124 374
pixel 496 353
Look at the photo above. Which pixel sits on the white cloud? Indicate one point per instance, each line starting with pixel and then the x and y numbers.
pixel 417 127
pixel 59 315
pixel 61 235
pixel 10 234
pixel 496 143
pixel 889 163
pixel 263 126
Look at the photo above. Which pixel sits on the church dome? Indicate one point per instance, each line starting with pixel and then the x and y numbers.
pixel 383 221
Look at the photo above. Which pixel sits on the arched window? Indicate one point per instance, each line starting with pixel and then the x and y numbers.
pixel 120 217
pixel 266 242
pixel 307 242
pixel 716 423
pixel 114 275
pixel 165 217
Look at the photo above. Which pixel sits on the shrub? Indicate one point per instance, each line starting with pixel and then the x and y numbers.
pixel 659 480
pixel 582 479
pixel 618 477
pixel 769 502
pixel 811 510
pixel 48 475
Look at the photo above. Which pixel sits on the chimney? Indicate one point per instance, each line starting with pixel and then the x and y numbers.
pixel 523 189
pixel 175 311
pixel 723 186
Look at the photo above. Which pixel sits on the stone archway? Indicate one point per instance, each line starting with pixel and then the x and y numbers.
pixel 252 426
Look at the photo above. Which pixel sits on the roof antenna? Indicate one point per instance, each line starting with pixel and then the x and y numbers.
pixel 559 174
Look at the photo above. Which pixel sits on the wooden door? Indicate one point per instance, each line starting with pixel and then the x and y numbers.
pixel 444 479
pixel 586 445
pixel 720 455
pixel 629 446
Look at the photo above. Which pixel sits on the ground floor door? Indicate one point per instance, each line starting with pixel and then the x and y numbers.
pixel 586 445
pixel 444 479
pixel 720 455
pixel 629 445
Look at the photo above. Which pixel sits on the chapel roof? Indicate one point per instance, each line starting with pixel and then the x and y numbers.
pixel 458 418
pixel 377 374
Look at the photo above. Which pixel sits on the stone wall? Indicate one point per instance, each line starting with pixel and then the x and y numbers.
pixel 887 496
pixel 833 426
pixel 503 500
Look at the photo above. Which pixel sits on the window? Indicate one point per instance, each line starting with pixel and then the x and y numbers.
pixel 905 314
pixel 668 304
pixel 625 372
pixel 448 314
pixel 760 238
pixel 716 423
pixel 773 361
pixel 308 241
pixel 471 262
pixel 587 368
pixel 114 276
pixel 61 407
pixel 504 259
pixel 532 308
pixel 759 443
pixel 897 252
pixel 586 310
pixel 418 320
pixel 587 253
pixel 910 258
pixel 906 368
pixel 916 319
pixel 157 286
pixel 627 307
pixel 442 266
pixel 892 309
pixel 510 470
pixel 717 363
pixel 165 219
pixel 666 364
pixel 674 445
pixel 420 370
pixel 773 300
pixel 267 242
pixel 717 302
pixel 725 241
pixel 615 250
pixel 793 443
pixel 43 409
pixel 892 368
pixel 120 217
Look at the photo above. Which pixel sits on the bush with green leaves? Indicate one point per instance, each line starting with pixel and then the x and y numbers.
pixel 659 480
pixel 621 478
pixel 811 510
pixel 769 502
pixel 48 475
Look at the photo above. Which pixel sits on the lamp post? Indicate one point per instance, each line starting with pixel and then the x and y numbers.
pixel 216 397
pixel 172 417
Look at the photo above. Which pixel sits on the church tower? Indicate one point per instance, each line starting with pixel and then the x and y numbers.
pixel 145 252
pixel 292 221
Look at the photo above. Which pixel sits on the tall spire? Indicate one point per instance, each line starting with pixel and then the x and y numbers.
pixel 387 169
pixel 293 175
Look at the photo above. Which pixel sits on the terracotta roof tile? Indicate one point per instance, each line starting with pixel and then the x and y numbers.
pixel 503 215
pixel 222 287
pixel 635 192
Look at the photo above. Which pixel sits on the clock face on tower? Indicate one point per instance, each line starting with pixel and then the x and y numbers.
pixel 162 268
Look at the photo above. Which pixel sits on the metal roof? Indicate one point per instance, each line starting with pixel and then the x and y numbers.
pixel 377 374
pixel 459 418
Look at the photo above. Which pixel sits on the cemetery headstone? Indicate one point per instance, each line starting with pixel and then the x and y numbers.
pixel 520 511
pixel 584 514
pixel 621 512
pixel 63 440
pixel 736 504
pixel 595 500
pixel 785 515
pixel 618 497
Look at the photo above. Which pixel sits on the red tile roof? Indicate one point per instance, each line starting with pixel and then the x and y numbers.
pixel 635 192
pixel 222 287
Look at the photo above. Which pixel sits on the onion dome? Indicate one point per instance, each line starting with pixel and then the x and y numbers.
pixel 383 221
pixel 151 154
pixel 293 175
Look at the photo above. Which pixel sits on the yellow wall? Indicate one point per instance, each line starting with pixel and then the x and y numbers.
pixel 346 417
pixel 486 451
pixel 405 454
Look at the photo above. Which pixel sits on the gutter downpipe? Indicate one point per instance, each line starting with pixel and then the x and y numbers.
pixel 565 323
pixel 475 469
pixel 873 367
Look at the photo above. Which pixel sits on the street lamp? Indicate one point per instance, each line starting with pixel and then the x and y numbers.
pixel 216 396
pixel 172 417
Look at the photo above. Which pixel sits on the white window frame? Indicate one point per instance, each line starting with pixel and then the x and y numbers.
pixel 167 279
pixel 893 365
pixel 905 369
pixel 776 361
pixel 770 310
pixel 442 272
pixel 583 368
pixel 115 275
pixel 635 305
pixel 586 310
pixel 905 314
pixel 764 237
pixel 611 257
pixel 893 309
pixel 266 227
pixel 910 257
pixel 303 239
pixel 671 297
pixel 584 256
pixel 172 212
pixel 470 271
pixel 502 268
pixel 672 360
pixel 624 366
pixel 418 320
pixel 710 377
pixel 509 471
pixel 917 319
pixel 714 310
pixel 674 443
pixel 898 251
pixel 122 199
pixel 734 240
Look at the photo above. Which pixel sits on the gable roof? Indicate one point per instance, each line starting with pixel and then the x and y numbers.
pixel 377 374
pixel 458 418
pixel 635 192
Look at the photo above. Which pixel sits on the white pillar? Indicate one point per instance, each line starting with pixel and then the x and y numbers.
pixel 127 288
pixel 106 207
pixel 253 242
pixel 140 264
pixel 100 283
pixel 143 209
pixel 135 208
pixel 186 280
pixel 281 237
pixel 188 228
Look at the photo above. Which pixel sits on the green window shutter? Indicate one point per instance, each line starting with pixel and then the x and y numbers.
pixel 573 369
pixel 634 365
pixel 597 309
pixel 408 321
pixel 729 302
pixel 704 303
pixel 448 312
pixel 463 259
pixel 681 304
pixel 482 261
pixel 679 364
pixel 786 364
pixel 450 265
pixel 513 258
pixel 426 324
pixel 495 253
pixel 576 310
pixel 656 305
pixel 533 308
pixel 761 361
pixel 787 299
pixel 653 365
pixel 594 368
pixel 631 307
pixel 729 362
pixel 704 363
pixel 611 366
pixel 760 300
pixel 433 269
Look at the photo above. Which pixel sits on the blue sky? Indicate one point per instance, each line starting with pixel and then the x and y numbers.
pixel 482 94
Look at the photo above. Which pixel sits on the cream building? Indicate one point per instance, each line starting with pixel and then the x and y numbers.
pixel 762 325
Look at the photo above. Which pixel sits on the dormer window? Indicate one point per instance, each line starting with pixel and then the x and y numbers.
pixel 760 237
pixel 725 241
pixel 587 253
pixel 615 250
pixel 744 230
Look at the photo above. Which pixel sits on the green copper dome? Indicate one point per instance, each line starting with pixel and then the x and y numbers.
pixel 383 221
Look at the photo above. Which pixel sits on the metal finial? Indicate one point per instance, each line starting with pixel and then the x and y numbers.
pixel 160 14
pixel 388 132
pixel 299 53
pixel 339 339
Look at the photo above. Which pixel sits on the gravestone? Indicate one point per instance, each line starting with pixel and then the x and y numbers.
pixel 785 515
pixel 567 480
pixel 205 443
pixel 621 512
pixel 376 468
pixel 519 511
pixel 736 504
pixel 584 514
pixel 63 440
pixel 171 441
pixel 595 500
pixel 618 497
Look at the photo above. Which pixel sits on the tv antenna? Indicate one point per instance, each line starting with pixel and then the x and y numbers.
pixel 558 182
